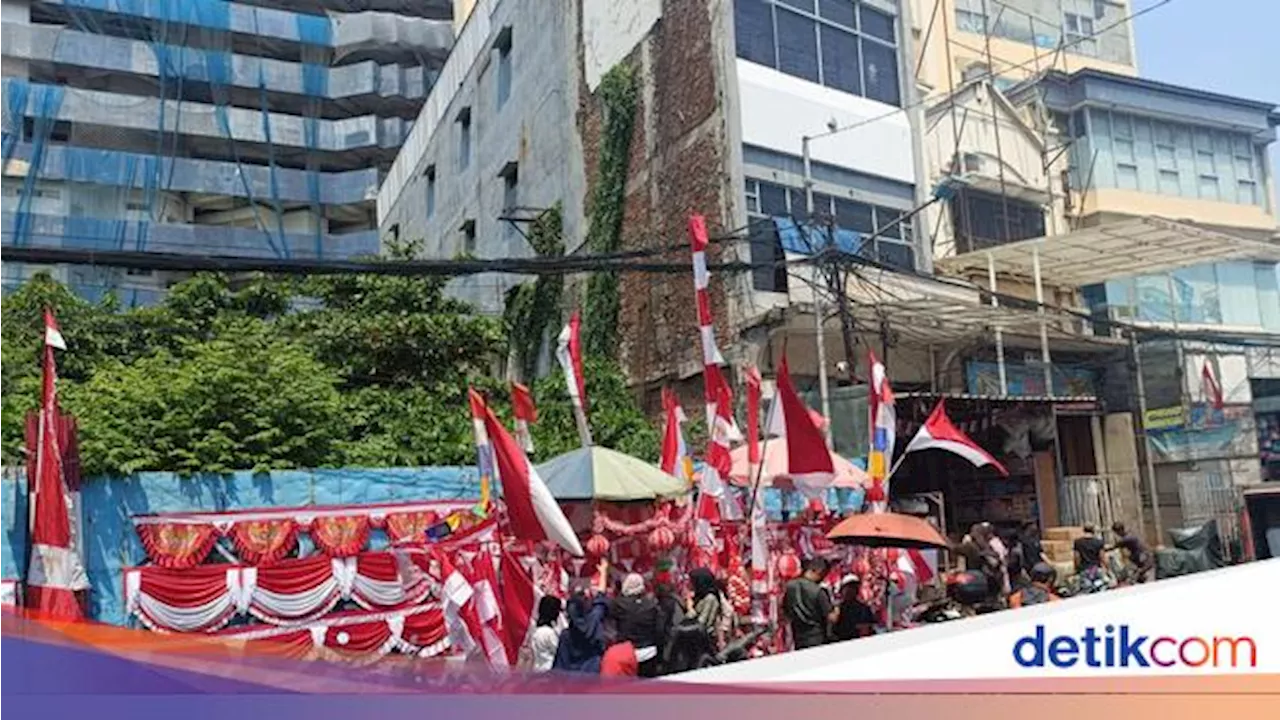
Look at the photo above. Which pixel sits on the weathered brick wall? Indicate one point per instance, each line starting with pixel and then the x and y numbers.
pixel 679 164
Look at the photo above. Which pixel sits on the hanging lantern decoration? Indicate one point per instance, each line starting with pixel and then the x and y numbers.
pixel 788 566
pixel 662 539
pixel 597 546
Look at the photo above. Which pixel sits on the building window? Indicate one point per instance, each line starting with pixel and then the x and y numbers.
pixel 1077 26
pixel 464 138
pixel 764 202
pixel 843 44
pixel 510 175
pixel 468 237
pixel 430 175
pixel 982 220
pixel 503 46
pixel 970 17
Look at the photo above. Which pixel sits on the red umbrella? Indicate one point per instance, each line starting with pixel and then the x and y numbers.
pixel 887 529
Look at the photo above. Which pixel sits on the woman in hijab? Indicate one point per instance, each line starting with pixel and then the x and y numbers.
pixel 704 605
pixel 582 643
pixel 856 619
pixel 543 643
pixel 638 620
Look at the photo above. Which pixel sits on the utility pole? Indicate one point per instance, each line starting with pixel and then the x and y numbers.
pixel 818 311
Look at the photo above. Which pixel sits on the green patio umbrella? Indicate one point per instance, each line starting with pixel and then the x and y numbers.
pixel 597 473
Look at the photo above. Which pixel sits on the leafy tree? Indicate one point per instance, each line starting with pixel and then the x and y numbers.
pixel 243 400
pixel 615 418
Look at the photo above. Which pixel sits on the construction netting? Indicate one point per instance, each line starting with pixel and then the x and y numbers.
pixel 205 127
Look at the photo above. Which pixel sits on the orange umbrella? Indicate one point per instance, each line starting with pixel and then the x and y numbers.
pixel 887 529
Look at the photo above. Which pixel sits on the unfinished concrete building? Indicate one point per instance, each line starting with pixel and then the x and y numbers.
pixel 245 128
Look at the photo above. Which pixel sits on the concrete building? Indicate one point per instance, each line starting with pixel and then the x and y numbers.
pixel 725 92
pixel 231 128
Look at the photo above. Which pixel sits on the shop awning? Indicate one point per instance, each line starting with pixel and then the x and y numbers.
pixel 1141 246
pixel 1081 399
pixel 942 320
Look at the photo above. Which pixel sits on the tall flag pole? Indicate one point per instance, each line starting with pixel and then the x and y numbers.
pixel 883 427
pixel 569 353
pixel 713 378
pixel 532 512
pixel 526 414
pixel 484 450
pixel 54 571
pixel 759 538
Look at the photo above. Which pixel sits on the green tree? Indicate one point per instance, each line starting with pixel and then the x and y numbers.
pixel 615 418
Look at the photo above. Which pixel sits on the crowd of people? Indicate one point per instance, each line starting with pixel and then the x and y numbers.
pixel 642 629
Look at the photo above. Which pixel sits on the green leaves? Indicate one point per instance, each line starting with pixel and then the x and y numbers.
pixel 277 373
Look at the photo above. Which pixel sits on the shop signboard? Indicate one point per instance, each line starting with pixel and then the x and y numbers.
pixel 1209 434
pixel 983 378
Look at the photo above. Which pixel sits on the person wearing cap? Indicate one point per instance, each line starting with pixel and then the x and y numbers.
pixel 1039 591
pixel 854 618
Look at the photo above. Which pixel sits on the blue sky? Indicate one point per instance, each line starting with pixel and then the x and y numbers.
pixel 1226 46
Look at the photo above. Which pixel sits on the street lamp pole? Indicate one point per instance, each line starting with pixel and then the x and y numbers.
pixel 818 310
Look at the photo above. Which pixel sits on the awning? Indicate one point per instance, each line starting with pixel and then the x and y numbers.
pixel 1141 246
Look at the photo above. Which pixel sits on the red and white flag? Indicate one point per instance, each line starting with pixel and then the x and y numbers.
pixel 569 354
pixel 939 433
pixel 520 598
pixel 759 529
pixel 1209 385
pixel 676 459
pixel 458 600
pixel 809 463
pixel 526 414
pixel 532 512
pixel 488 609
pixel 54 568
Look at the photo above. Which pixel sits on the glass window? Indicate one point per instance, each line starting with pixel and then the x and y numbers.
pixel 880 67
pixel 769 272
pixel 1246 192
pixel 464 142
pixel 1127 176
pixel 839 11
pixel 753 26
pixel 1267 279
pixel 876 24
pixel 840 66
pixel 1209 187
pixel 1170 182
pixel 753 196
pixel 855 216
pixel 797 45
pixel 431 190
pixel 805 5
pixel 504 73
pixel 773 200
pixel 895 254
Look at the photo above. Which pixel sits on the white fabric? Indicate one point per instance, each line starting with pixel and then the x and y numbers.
pixel 56 567
pixel 300 607
pixel 701 278
pixel 344 573
pixel 132 588
pixel 924 441
pixel 550 516
pixel 523 436
pixel 710 353
pixel 776 423
pixel 486 601
pixel 53 336
pixel 161 617
pixel 456 591
pixel 317 634
pixel 8 593
pixel 645 654
pixel 543 646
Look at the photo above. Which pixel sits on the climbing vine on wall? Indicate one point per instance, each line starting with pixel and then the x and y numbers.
pixel 618 96
pixel 532 307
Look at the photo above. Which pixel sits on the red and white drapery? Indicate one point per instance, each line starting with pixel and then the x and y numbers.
pixel 263 537
pixel 359 636
pixel 294 591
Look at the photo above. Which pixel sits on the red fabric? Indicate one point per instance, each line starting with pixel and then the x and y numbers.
pixel 54 603
pixel 519 599
pixel 513 468
pixel 806 446
pixel 340 536
pixel 671 433
pixel 262 542
pixel 575 355
pixel 940 428
pixel 698 233
pixel 358 638
pixel 620 661
pixel 425 628
pixel 296 576
pixel 177 545
pixel 522 403
pixel 186 588
pixel 1212 390
pixel 380 566
pixel 292 645
pixel 405 526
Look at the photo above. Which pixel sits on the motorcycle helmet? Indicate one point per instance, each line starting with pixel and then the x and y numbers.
pixel 967 588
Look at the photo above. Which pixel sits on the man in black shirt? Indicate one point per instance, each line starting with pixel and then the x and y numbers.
pixel 807 606
pixel 1088 550
pixel 1139 554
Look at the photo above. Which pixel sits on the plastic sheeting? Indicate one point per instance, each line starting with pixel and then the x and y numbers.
pixel 111 543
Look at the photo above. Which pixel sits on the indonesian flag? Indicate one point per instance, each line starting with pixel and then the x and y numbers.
pixel 808 459
pixel 488 610
pixel 675 453
pixel 883 424
pixel 759 530
pixel 531 510
pixel 569 354
pixel 458 600
pixel 54 570
pixel 939 433
pixel 526 414
pixel 519 598
pixel 1209 385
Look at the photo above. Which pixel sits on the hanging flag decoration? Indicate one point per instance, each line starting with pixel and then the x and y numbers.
pixel 713 378
pixel 1210 386
pixel 883 424
pixel 569 354
pixel 531 510
pixel 808 459
pixel 520 597
pixel 759 529
pixel 483 578
pixel 939 433
pixel 526 414
pixel 676 459
pixel 55 571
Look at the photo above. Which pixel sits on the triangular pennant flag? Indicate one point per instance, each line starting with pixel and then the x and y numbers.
pixel 939 433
